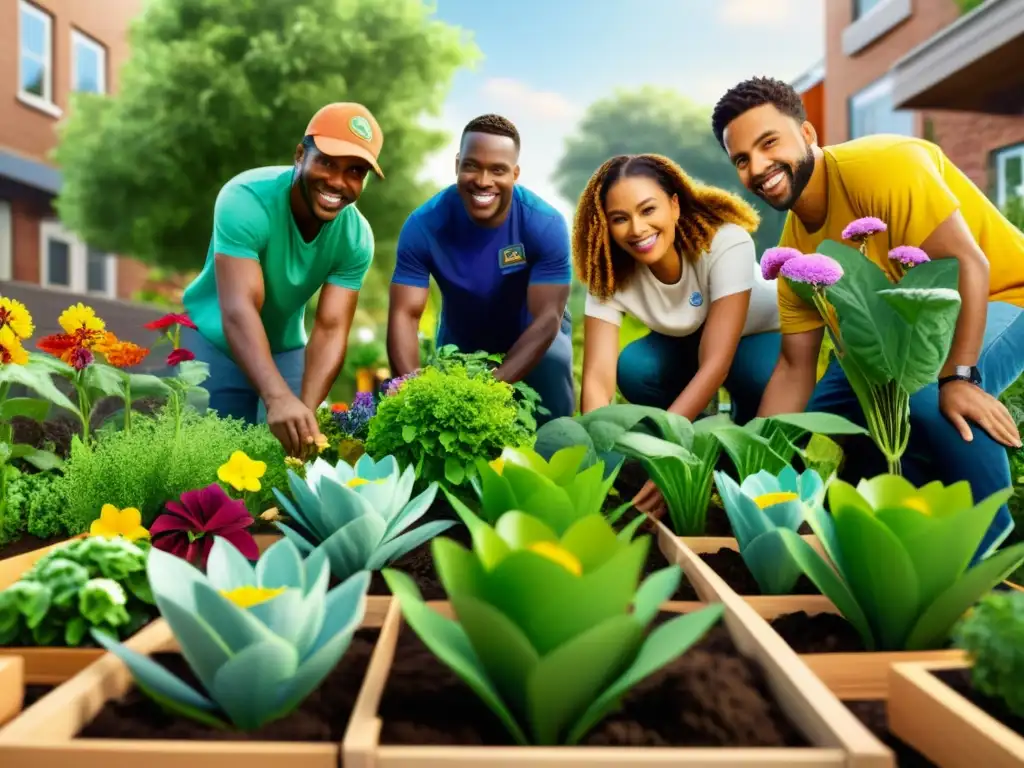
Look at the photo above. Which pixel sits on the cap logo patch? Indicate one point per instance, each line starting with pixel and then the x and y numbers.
pixel 360 126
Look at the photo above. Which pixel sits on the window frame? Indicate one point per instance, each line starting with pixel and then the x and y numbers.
pixel 81 38
pixel 44 103
pixel 878 89
pixel 78 266
pixel 1000 156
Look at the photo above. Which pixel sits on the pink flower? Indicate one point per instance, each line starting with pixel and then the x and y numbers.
pixel 774 258
pixel 188 526
pixel 179 355
pixel 814 269
pixel 81 358
pixel 858 229
pixel 908 255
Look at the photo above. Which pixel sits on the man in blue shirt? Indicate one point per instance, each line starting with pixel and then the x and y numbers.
pixel 500 256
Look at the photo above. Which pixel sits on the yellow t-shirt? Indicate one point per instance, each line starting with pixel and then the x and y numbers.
pixel 912 186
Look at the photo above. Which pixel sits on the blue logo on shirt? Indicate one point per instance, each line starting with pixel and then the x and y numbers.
pixel 696 299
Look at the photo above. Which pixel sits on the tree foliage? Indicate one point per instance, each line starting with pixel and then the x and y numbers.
pixel 659 121
pixel 215 87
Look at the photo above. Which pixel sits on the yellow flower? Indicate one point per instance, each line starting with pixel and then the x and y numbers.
pixel 11 350
pixel 498 465
pixel 241 472
pixel 114 522
pixel 355 482
pixel 79 317
pixel 559 555
pixel 918 504
pixel 322 444
pixel 270 515
pixel 766 500
pixel 294 462
pixel 15 315
pixel 246 597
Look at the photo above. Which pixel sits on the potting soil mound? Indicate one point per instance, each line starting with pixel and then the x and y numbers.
pixel 729 564
pixel 818 633
pixel 711 696
pixel 873 715
pixel 322 717
pixel 960 681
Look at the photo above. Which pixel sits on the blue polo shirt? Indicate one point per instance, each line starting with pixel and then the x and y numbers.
pixel 483 273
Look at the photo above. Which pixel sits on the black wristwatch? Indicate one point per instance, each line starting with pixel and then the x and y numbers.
pixel 968 373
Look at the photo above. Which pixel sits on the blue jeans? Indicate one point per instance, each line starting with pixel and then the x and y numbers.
pixel 551 377
pixel 936 451
pixel 653 370
pixel 231 392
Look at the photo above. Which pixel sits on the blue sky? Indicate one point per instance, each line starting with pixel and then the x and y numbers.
pixel 545 61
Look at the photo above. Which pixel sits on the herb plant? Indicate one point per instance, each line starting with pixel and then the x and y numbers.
pixel 550 631
pixel 87 583
pixel 901 558
pixel 993 636
pixel 34 500
pixel 259 640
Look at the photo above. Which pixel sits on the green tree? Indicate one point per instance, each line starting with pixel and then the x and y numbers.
pixel 663 122
pixel 215 87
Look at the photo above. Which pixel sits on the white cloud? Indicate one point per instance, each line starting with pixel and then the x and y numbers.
pixel 519 96
pixel 750 13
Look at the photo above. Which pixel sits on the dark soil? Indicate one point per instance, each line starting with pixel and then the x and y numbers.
pixel 322 717
pixel 710 697
pixel 419 565
pixel 729 564
pixel 28 543
pixel 873 715
pixel 818 633
pixel 34 692
pixel 960 681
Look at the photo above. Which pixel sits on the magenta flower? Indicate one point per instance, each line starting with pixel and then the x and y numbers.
pixel 813 269
pixel 188 526
pixel 81 357
pixel 774 258
pixel 858 229
pixel 908 255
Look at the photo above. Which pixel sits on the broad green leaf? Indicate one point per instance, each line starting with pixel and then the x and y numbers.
pixel 37 457
pixel 745 518
pixel 201 648
pixel 186 711
pixel 457 567
pixel 643 446
pixel 769 562
pixel 627 532
pixel 495 492
pixel 487 544
pixel 686 489
pixel 192 373
pixel 749 452
pixel 566 464
pixel 929 318
pixel 248 685
pixel 36 376
pixel 228 569
pixel 392 549
pixel 592 540
pixel 936 621
pixel 449 642
pixel 26 407
pixel 666 643
pixel 454 472
pixel 147 385
pixel 521 531
pixel 883 491
pixel 561 433
pixel 655 590
pixel 101 379
pixel 819 423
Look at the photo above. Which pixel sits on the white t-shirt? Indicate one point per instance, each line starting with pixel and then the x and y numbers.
pixel 681 308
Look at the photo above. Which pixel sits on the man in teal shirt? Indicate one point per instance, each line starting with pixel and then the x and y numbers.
pixel 280 234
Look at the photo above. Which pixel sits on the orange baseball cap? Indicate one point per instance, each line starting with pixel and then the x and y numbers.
pixel 347 129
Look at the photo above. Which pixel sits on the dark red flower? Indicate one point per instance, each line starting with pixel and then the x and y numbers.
pixel 171 318
pixel 81 358
pixel 179 355
pixel 188 526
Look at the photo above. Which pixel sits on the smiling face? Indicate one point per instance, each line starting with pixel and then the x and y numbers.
pixel 486 168
pixel 641 218
pixel 772 153
pixel 329 184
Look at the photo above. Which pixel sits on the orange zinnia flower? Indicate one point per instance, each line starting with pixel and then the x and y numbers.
pixel 121 354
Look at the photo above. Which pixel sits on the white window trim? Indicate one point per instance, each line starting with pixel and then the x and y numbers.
pixel 1002 155
pixel 51 229
pixel 6 241
pixel 875 24
pixel 80 38
pixel 45 103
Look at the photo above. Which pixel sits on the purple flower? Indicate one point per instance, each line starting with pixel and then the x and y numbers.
pixel 858 229
pixel 355 422
pixel 391 386
pixel 189 525
pixel 774 258
pixel 908 255
pixel 814 269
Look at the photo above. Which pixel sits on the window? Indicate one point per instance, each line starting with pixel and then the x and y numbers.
pixel 6 241
pixel 861 7
pixel 1009 175
pixel 88 64
pixel 35 61
pixel 66 263
pixel 871 111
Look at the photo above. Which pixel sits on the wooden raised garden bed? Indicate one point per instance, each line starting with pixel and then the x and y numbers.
pixel 12 687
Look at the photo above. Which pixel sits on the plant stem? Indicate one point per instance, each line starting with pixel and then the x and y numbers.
pixel 83 405
pixel 127 405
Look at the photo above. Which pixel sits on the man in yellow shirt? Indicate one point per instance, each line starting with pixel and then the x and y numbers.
pixel 927 202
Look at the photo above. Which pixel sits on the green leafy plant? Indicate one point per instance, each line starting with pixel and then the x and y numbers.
pixel 757 509
pixel 901 557
pixel 549 630
pixel 259 640
pixel 95 582
pixel 35 501
pixel 357 516
pixel 365 354
pixel 440 423
pixel 991 635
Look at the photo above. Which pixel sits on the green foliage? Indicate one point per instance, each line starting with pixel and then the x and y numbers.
pixel 966 6
pixel 141 172
pixel 991 635
pixel 149 466
pixel 91 583
pixel 37 501
pixel 882 572
pixel 442 422
pixel 550 631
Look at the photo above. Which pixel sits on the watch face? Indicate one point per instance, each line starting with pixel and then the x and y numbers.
pixel 965 371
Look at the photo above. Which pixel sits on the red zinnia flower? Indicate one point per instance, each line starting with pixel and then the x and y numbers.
pixel 171 318
pixel 179 355
pixel 188 526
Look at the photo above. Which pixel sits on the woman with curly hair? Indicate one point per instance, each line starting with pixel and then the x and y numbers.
pixel 678 256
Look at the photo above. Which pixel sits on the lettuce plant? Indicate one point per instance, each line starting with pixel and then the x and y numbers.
pixel 357 516
pixel 91 583
pixel 901 557
pixel 757 509
pixel 259 640
pixel 549 630
pixel 991 635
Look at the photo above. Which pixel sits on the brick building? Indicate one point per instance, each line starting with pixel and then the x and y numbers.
pixel 926 68
pixel 49 49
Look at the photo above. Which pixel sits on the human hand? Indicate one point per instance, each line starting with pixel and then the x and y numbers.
pixel 293 424
pixel 962 402
pixel 650 500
